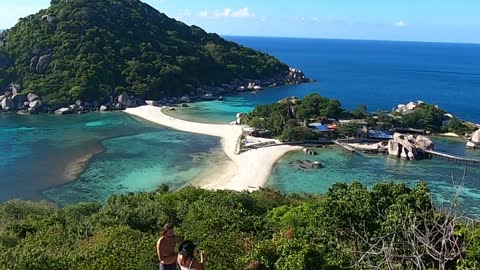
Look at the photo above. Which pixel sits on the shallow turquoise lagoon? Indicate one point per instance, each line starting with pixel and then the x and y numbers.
pixel 370 169
pixel 39 153
pixel 140 162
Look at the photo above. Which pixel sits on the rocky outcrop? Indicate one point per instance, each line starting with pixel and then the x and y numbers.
pixel 124 101
pixel 39 64
pixel 33 63
pixel 103 108
pixel 295 76
pixel 42 57
pixel 49 19
pixel 6 103
pixel 19 101
pixel 305 165
pixel 33 97
pixel 43 62
pixel 409 107
pixel 65 110
pixel 476 137
pixel 35 106
pixel 422 142
pixel 407 147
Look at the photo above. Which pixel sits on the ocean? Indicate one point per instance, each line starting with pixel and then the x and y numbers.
pixel 133 155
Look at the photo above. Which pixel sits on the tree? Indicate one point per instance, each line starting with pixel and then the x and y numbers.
pixel 456 126
pixel 360 112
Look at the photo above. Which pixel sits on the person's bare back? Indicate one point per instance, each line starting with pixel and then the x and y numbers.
pixel 166 248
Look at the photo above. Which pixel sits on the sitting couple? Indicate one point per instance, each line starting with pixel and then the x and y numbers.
pixel 168 257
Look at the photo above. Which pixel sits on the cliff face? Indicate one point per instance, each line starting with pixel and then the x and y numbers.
pixel 90 50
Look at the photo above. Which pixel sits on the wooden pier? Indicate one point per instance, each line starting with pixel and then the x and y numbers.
pixel 453 158
pixel 347 148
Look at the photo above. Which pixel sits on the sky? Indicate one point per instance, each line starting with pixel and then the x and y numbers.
pixel 407 20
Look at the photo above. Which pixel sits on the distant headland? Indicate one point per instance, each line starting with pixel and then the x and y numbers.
pixel 90 55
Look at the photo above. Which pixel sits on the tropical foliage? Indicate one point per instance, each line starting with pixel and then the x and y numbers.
pixel 297 231
pixel 287 118
pixel 98 47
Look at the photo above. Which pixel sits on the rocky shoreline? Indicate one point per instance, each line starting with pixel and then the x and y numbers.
pixel 13 99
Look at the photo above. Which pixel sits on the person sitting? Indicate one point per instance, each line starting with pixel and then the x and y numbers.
pixel 186 259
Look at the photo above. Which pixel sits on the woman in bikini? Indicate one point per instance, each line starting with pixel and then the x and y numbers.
pixel 186 258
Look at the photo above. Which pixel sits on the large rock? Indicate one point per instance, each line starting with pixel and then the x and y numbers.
pixel 7 94
pixel 295 76
pixel 423 142
pixel 103 108
pixel 18 100
pixel 49 18
pixel 411 105
pixel 15 88
pixel 184 99
pixel 33 64
pixel 33 97
pixel 36 104
pixel 124 100
pixel 7 104
pixel 65 110
pixel 43 62
pixel 151 102
pixel 476 136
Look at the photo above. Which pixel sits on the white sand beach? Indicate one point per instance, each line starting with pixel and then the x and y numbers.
pixel 450 134
pixel 249 171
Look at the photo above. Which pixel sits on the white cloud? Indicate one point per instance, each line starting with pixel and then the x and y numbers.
pixel 228 13
pixel 243 13
pixel 400 24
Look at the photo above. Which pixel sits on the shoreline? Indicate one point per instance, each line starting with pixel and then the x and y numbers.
pixel 247 171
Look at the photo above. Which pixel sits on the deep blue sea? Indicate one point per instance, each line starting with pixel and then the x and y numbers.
pixel 38 152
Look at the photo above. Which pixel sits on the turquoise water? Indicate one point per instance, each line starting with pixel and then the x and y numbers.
pixel 114 153
pixel 140 162
pixel 38 152
pixel 369 169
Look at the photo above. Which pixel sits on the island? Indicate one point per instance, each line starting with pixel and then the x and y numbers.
pixel 78 56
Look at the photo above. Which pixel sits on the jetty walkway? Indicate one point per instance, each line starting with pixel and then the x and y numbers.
pixel 344 146
pixel 453 158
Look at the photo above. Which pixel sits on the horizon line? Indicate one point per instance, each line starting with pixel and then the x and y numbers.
pixel 354 39
pixel 328 38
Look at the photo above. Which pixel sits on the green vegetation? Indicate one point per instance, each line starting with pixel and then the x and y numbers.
pixel 288 118
pixel 425 116
pixel 99 47
pixel 331 231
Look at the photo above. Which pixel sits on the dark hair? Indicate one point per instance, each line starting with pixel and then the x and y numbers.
pixel 166 227
pixel 186 249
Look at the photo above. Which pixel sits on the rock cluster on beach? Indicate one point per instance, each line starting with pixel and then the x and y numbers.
pixel 13 99
pixel 404 109
pixel 407 146
pixel 474 142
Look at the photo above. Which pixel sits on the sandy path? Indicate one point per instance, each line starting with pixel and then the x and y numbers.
pixel 249 171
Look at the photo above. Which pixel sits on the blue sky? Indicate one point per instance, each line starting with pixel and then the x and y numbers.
pixel 414 20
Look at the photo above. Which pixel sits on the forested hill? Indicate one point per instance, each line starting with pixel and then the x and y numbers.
pixel 90 49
